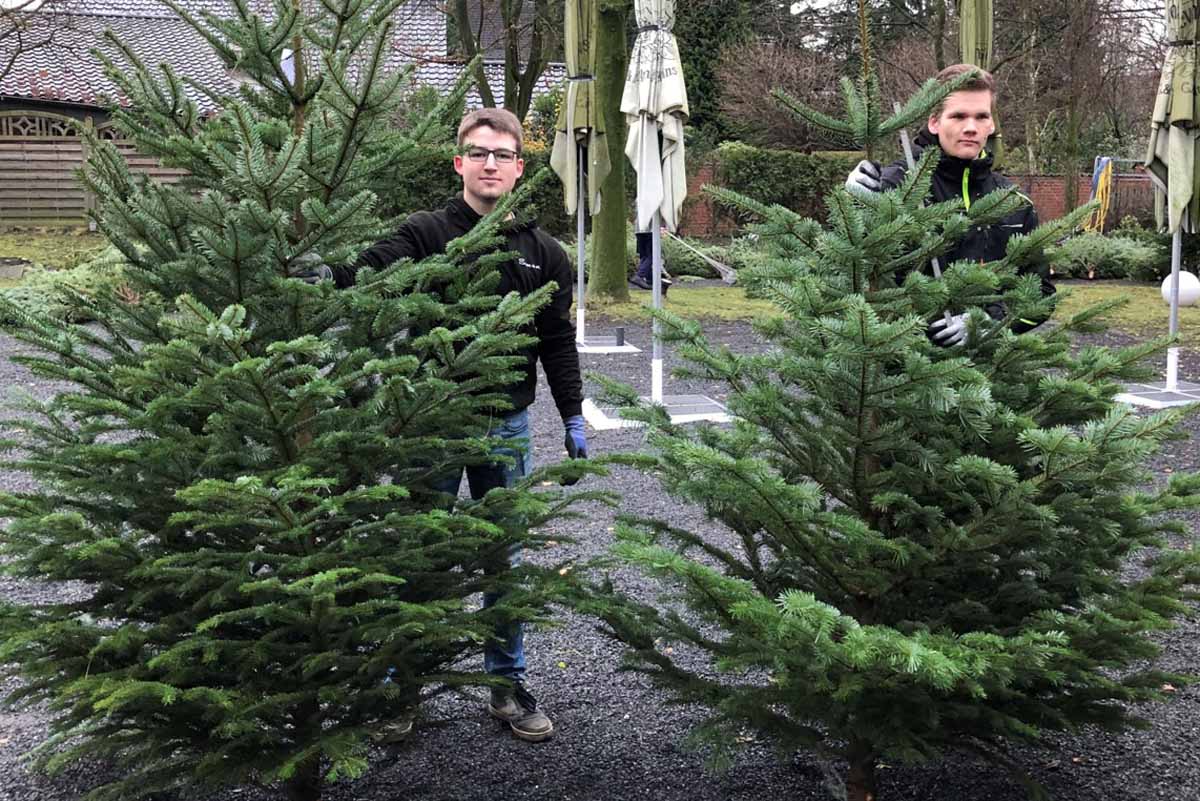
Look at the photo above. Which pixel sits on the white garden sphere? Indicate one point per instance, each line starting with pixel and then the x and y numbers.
pixel 1189 289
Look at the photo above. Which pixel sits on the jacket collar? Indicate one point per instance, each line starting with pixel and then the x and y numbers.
pixel 458 209
pixel 952 167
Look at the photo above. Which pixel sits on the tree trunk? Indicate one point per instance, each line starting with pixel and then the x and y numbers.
pixel 1074 123
pixel 470 46
pixel 305 784
pixel 939 35
pixel 608 270
pixel 861 782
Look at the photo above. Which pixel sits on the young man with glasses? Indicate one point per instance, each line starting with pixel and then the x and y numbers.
pixel 489 161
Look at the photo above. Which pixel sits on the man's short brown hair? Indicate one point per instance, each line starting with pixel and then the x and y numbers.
pixel 498 119
pixel 982 82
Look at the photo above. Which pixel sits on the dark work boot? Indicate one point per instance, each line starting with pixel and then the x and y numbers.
pixel 518 708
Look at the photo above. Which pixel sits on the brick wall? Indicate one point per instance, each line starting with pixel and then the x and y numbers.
pixel 698 218
pixel 1132 194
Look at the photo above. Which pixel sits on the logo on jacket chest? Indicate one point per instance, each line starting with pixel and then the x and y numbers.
pixel 527 264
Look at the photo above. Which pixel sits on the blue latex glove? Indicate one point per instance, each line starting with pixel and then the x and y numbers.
pixel 576 439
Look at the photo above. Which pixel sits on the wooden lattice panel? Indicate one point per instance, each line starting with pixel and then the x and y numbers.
pixel 38 126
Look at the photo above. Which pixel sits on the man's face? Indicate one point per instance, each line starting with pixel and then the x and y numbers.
pixel 965 123
pixel 486 181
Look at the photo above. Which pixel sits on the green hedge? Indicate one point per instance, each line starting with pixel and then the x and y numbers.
pixel 797 181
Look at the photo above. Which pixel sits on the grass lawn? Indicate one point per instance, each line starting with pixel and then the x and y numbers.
pixel 701 302
pixel 1143 315
pixel 57 249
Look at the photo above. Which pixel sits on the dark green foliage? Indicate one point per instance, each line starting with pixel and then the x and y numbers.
pixel 703 30
pixel 240 466
pixel 916 549
pixel 51 292
pixel 1098 256
pixel 798 181
pixel 1155 270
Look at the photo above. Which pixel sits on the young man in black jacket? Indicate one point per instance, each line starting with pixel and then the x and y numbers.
pixel 490 163
pixel 960 128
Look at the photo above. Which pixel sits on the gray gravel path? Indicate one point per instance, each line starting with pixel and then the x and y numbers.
pixel 615 739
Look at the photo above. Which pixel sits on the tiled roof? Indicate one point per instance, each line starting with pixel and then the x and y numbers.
pixel 66 72
pixel 443 76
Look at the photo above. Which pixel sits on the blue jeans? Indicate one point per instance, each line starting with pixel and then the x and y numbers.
pixel 506 655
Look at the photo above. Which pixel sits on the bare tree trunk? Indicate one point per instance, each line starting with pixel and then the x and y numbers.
pixel 939 35
pixel 536 63
pixel 470 45
pixel 1031 97
pixel 608 272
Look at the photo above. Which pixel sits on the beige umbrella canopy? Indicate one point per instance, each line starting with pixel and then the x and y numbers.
pixel 655 105
pixel 1171 157
pixel 580 120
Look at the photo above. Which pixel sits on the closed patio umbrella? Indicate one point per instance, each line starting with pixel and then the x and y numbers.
pixel 580 153
pixel 1171 156
pixel 655 105
pixel 975 19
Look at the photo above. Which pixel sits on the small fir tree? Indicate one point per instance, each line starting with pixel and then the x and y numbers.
pixel 927 542
pixel 239 466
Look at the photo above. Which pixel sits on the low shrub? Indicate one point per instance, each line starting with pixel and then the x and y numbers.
pixel 678 259
pixel 51 292
pixel 1160 268
pixel 1094 255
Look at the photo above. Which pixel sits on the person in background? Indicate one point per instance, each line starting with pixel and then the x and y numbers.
pixel 960 128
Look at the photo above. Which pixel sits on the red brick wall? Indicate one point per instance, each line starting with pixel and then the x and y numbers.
pixel 1131 194
pixel 698 218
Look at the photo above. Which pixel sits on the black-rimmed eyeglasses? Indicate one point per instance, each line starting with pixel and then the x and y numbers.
pixel 502 155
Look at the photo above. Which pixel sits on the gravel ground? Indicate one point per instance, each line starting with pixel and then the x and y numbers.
pixel 615 739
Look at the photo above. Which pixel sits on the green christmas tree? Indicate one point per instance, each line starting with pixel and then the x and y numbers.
pixel 240 464
pixel 923 545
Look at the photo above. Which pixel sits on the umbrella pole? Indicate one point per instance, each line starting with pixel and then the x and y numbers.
pixel 1173 351
pixel 581 200
pixel 656 363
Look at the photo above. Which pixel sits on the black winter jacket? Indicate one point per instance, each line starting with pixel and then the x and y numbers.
pixel 540 260
pixel 971 180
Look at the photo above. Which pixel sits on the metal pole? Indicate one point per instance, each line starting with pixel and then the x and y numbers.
pixel 581 201
pixel 912 162
pixel 656 363
pixel 1173 351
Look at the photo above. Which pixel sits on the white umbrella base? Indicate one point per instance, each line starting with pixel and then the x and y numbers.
pixel 604 344
pixel 681 408
pixel 1159 396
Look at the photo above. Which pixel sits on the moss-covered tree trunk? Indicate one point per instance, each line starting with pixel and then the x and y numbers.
pixel 608 265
